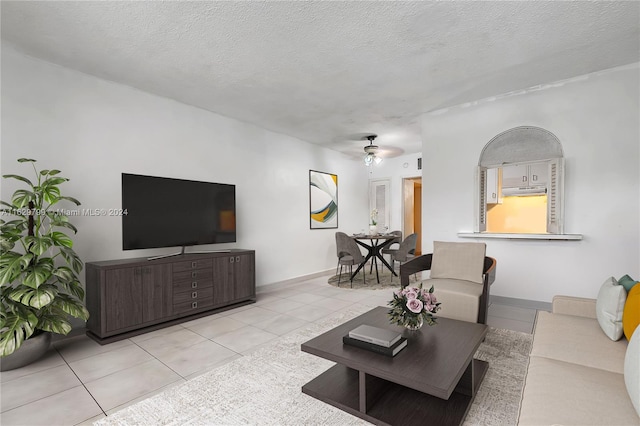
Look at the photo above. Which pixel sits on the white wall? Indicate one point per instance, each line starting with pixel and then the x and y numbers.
pixel 597 120
pixel 94 130
pixel 394 169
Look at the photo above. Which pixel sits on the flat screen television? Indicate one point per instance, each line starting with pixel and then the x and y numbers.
pixel 166 212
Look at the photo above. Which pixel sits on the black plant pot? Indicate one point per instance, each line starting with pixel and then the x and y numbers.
pixel 31 350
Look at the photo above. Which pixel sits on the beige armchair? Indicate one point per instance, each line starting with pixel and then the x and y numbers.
pixel 461 275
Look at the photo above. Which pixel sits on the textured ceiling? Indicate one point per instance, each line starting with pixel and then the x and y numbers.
pixel 328 72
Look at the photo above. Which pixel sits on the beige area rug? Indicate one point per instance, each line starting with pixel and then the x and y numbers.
pixel 370 282
pixel 264 387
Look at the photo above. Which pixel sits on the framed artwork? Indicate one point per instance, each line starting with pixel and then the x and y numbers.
pixel 323 200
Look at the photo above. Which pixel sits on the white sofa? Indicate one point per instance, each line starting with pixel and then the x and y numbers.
pixel 576 373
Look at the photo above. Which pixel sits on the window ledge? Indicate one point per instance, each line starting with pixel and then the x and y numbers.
pixel 565 237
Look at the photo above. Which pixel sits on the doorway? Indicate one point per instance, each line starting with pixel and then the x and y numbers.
pixel 412 209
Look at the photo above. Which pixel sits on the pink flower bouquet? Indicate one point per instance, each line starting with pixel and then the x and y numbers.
pixel 413 306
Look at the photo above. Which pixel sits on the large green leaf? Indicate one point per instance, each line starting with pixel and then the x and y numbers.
pixel 62 240
pixel 51 194
pixel 49 172
pixel 73 200
pixel 72 259
pixel 11 266
pixel 73 287
pixel 26 259
pixel 10 232
pixel 64 274
pixel 71 306
pixel 54 181
pixel 38 245
pixel 15 224
pixel 15 329
pixel 54 321
pixel 22 197
pixel 6 243
pixel 35 297
pixel 58 219
pixel 38 274
pixel 70 226
pixel 23 179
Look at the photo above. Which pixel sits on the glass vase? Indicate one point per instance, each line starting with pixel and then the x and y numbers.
pixel 414 324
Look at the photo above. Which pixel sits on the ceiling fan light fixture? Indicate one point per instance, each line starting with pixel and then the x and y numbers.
pixel 368 159
pixel 371 151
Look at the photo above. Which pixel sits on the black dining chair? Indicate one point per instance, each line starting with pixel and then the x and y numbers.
pixel 349 254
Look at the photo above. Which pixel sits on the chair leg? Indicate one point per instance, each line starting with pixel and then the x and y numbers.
pixel 339 275
pixel 350 274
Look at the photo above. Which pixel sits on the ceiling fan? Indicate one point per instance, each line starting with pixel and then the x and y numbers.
pixel 371 151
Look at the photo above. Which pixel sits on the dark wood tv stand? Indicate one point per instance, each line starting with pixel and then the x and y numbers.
pixel 128 297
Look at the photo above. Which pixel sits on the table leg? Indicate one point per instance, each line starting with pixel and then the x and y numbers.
pixel 361 265
pixel 362 389
pixel 370 254
pixel 374 249
pixel 378 254
pixel 467 384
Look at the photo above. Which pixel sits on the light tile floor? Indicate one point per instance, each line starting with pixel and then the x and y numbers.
pixel 80 381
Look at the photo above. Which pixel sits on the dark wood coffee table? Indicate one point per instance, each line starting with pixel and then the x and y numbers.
pixel 431 381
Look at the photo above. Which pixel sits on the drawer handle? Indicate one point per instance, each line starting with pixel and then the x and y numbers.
pixel 193 274
pixel 194 264
pixel 231 259
pixel 194 295
pixel 194 305
pixel 237 259
pixel 194 284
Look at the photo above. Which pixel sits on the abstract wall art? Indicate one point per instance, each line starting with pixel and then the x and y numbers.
pixel 323 200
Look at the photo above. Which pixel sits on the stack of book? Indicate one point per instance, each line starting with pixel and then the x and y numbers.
pixel 375 339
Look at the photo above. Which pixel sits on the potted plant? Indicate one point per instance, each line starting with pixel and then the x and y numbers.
pixel 373 227
pixel 39 286
pixel 412 306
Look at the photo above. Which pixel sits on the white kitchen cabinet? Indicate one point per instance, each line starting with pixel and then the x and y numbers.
pixel 521 175
pixel 494 196
pixel 538 174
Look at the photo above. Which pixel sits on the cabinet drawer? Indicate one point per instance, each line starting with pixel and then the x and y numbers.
pixel 181 308
pixel 191 285
pixel 192 295
pixel 192 264
pixel 196 274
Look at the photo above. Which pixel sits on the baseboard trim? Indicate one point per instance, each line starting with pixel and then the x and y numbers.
pixel 521 303
pixel 279 285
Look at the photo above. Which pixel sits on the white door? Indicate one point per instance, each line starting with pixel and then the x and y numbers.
pixel 380 199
